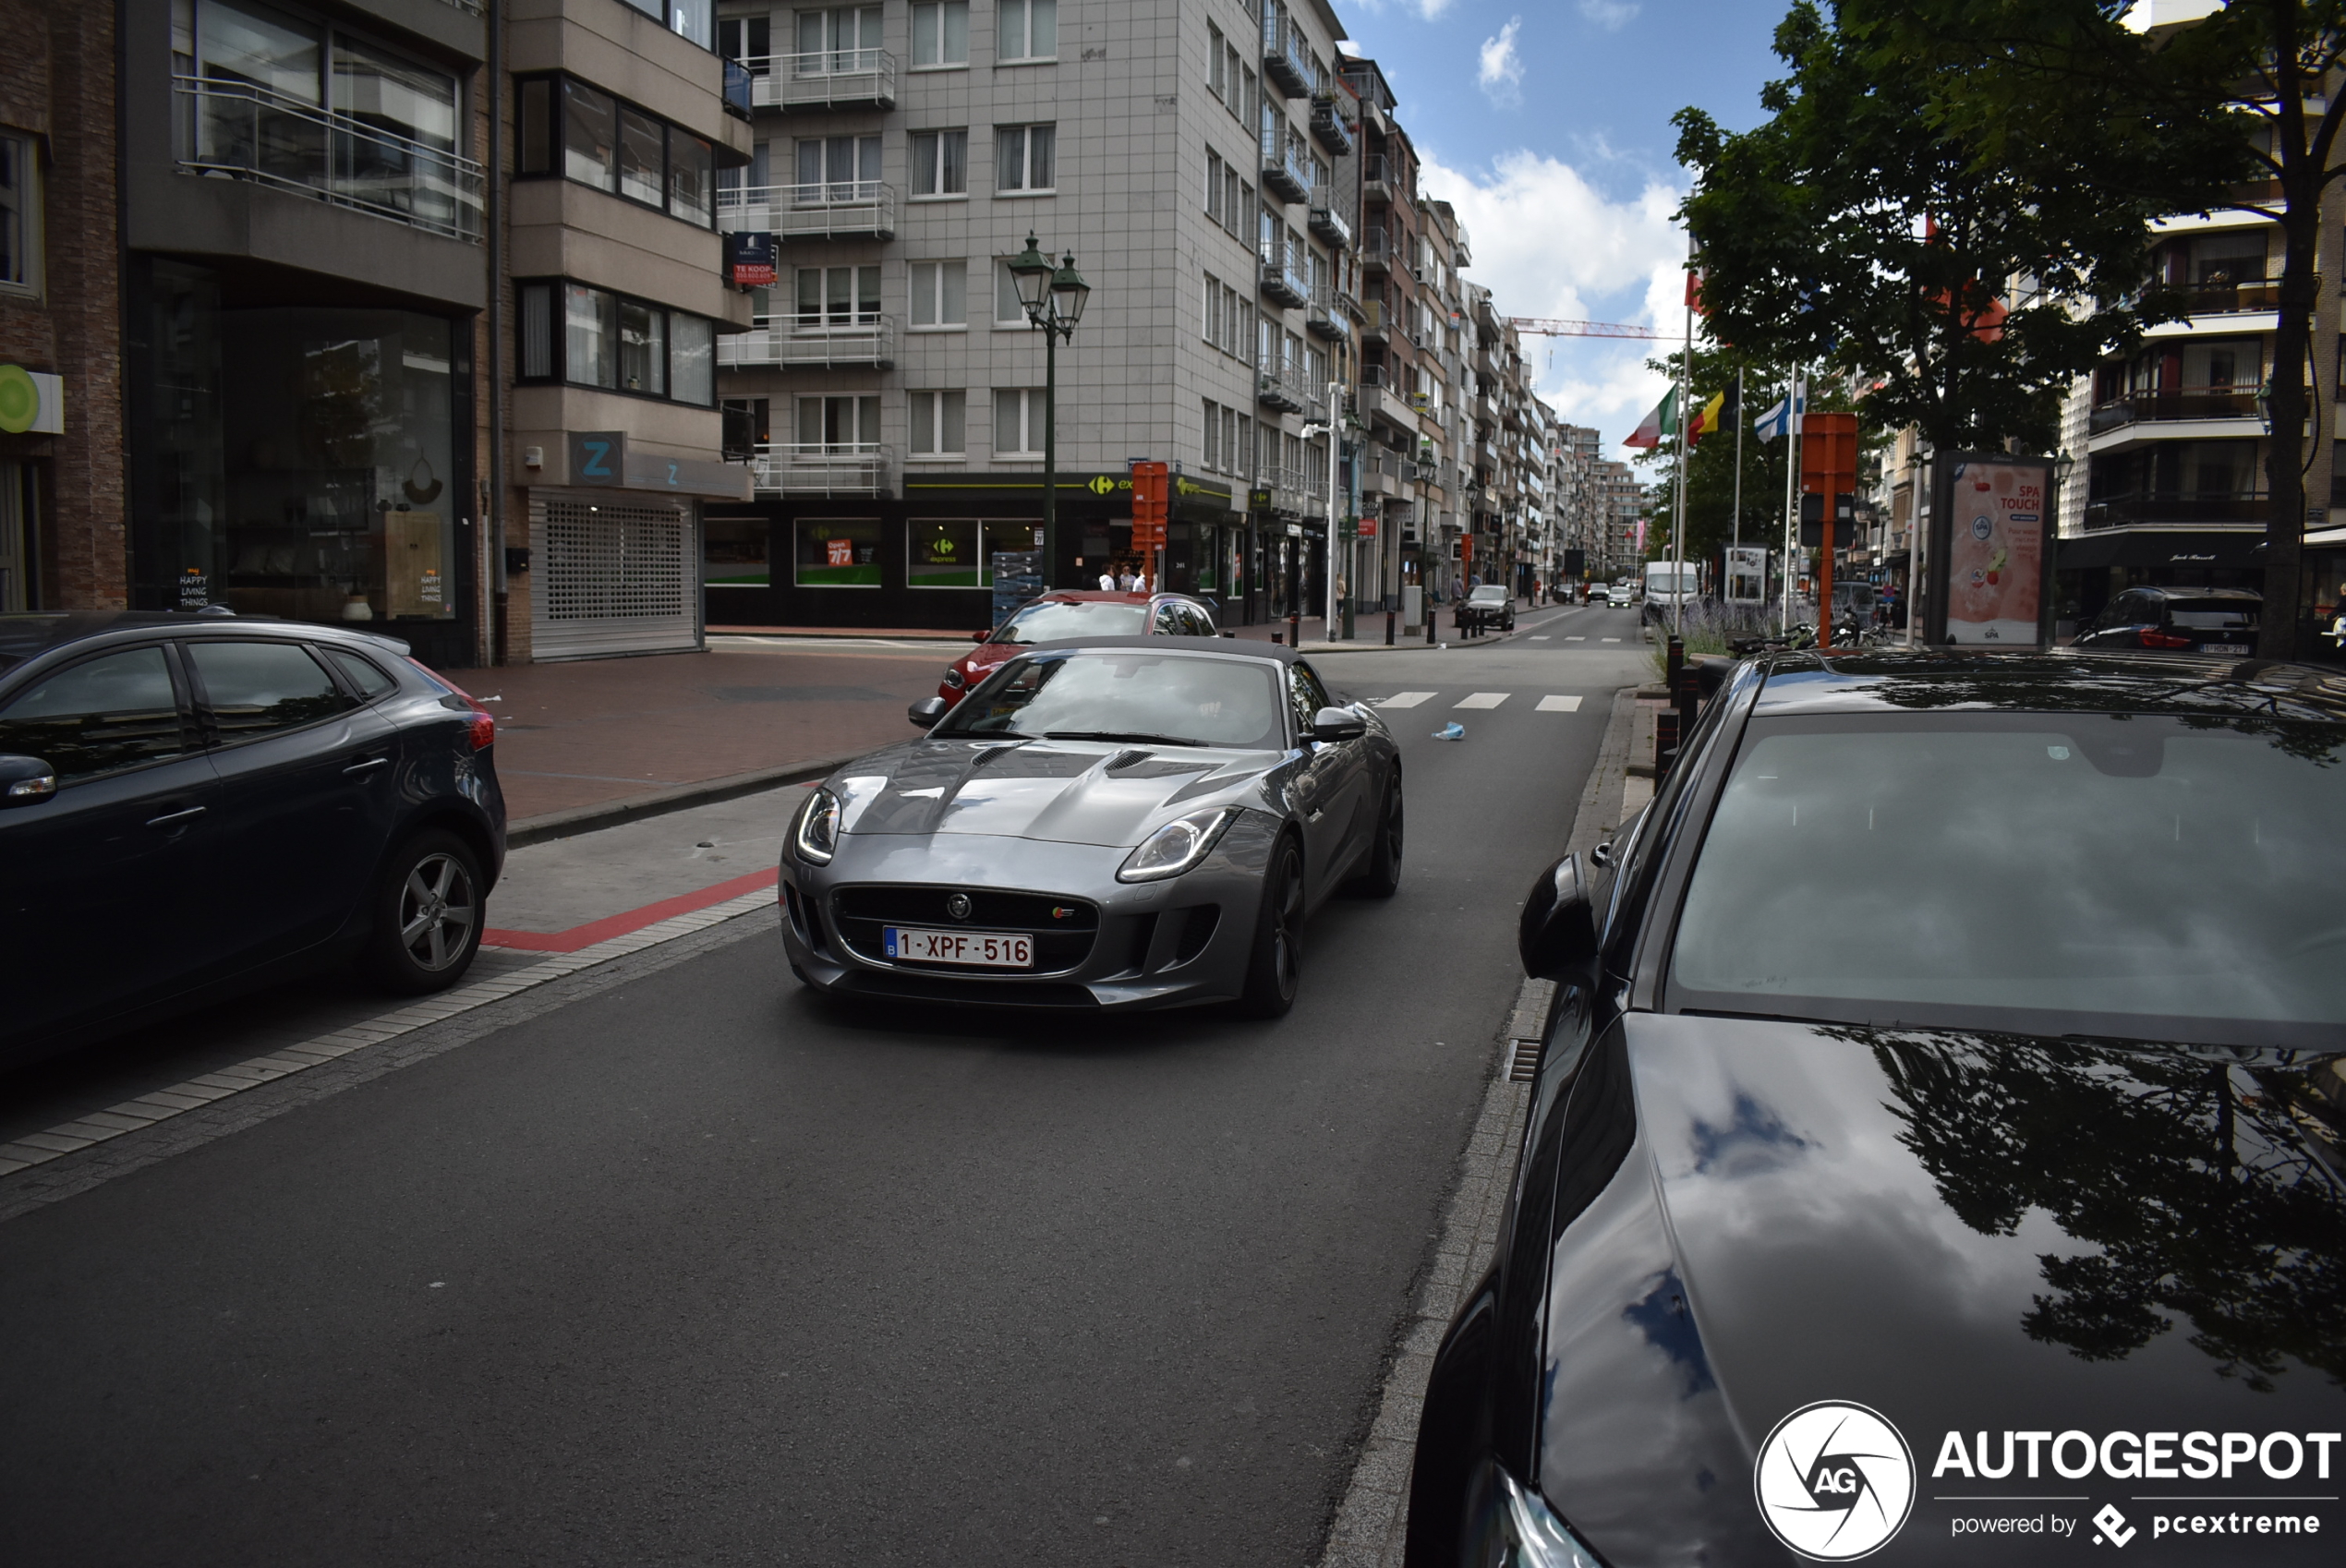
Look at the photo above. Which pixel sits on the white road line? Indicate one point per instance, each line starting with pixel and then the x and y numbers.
pixel 1575 639
pixel 1559 705
pixel 1484 699
pixel 1403 699
pixel 1545 639
pixel 1612 639
pixel 36 1148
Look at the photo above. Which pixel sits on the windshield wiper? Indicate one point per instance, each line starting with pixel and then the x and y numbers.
pixel 1140 736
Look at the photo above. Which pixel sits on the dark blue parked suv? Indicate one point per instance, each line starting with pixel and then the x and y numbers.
pixel 193 805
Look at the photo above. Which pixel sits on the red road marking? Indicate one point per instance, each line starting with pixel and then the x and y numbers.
pixel 603 930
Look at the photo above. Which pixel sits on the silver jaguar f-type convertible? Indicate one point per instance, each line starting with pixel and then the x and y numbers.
pixel 1114 823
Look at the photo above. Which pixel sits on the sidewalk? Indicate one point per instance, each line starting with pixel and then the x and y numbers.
pixel 582 744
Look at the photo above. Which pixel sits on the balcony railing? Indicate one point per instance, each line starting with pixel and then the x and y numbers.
pixel 819 468
pixel 1376 248
pixel 1329 224
pixel 1277 387
pixel 2225 298
pixel 1281 280
pixel 1285 171
pixel 1325 321
pixel 1327 124
pixel 240 131
pixel 1376 172
pixel 2210 506
pixel 1287 54
pixel 1309 481
pixel 831 209
pixel 825 345
pixel 2182 403
pixel 824 79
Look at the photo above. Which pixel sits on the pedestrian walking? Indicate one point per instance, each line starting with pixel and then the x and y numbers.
pixel 1107 581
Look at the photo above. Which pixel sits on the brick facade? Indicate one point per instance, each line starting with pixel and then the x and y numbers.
pixel 57 84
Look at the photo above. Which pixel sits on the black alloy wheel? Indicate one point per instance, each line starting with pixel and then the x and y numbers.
pixel 1381 877
pixel 428 915
pixel 1275 968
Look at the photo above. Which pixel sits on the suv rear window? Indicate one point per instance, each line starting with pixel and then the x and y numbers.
pixel 2210 612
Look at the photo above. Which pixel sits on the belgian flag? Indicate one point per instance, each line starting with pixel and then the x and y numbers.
pixel 1721 412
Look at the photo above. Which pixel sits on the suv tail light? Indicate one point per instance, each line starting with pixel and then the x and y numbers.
pixel 480 731
pixel 2164 640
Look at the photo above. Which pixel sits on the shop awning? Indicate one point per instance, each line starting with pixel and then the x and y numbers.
pixel 2225 550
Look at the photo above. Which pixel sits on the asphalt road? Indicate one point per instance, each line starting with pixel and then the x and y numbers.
pixel 697 1270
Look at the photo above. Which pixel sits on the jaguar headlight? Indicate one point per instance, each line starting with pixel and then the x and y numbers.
pixel 954 678
pixel 817 837
pixel 1178 846
pixel 1510 1525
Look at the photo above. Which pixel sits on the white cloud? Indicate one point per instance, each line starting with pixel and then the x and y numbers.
pixel 1610 15
pixel 1547 243
pixel 1501 73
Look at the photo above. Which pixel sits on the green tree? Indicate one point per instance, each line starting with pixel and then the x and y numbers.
pixel 2252 91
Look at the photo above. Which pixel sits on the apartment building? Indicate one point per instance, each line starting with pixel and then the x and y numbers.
pixel 1195 158
pixel 61 506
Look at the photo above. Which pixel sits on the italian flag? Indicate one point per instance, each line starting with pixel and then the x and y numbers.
pixel 1659 425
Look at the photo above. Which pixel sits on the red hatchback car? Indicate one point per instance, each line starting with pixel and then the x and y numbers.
pixel 1072 613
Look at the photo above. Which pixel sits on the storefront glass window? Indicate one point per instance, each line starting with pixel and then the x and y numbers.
pixel 733 552
pixel 942 553
pixel 835 552
pixel 324 488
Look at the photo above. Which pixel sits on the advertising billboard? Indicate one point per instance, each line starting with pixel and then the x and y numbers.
pixel 1747 574
pixel 1990 581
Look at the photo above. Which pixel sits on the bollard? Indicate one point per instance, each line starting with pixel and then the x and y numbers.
pixel 1388 628
pixel 1666 744
pixel 1295 628
pixel 1278 639
pixel 1689 698
pixel 1677 663
pixel 1430 613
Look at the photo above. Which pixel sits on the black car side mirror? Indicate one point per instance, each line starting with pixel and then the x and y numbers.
pixel 26 781
pixel 926 711
pixel 1337 724
pixel 1559 931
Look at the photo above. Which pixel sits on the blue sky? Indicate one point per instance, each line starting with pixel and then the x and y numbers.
pixel 1547 124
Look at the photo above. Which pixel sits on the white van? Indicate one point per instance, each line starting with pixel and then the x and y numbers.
pixel 1668 585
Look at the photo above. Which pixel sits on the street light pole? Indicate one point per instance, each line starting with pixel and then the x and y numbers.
pixel 1053 299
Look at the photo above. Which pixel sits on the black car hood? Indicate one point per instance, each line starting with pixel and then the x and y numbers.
pixel 1965 1236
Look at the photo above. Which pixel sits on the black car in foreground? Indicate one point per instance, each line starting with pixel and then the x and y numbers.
pixel 2204 621
pixel 1935 1154
pixel 193 805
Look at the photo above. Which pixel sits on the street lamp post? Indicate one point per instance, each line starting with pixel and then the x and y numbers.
pixel 1053 299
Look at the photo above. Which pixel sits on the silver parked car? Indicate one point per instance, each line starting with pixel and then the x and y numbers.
pixel 1116 824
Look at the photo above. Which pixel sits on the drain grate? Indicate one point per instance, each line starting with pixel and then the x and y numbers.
pixel 1523 1063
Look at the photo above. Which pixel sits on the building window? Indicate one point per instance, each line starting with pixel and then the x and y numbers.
pixel 940 424
pixel 747 39
pixel 615 343
pixel 1212 450
pixel 958 552
pixel 835 552
pixel 1008 309
pixel 941 163
pixel 1024 159
pixel 839 297
pixel 1029 29
pixel 837 168
pixel 1236 77
pixel 581 133
pixel 940 293
pixel 1018 422
pixel 831 41
pixel 1217 80
pixel 1212 325
pixel 19 215
pixel 1215 170
pixel 839 427
pixel 940 35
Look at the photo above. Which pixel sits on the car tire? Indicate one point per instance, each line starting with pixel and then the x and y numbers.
pixel 1381 876
pixel 430 910
pixel 1274 964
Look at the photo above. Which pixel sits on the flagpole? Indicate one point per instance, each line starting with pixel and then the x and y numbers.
pixel 1678 532
pixel 1791 492
pixel 1738 512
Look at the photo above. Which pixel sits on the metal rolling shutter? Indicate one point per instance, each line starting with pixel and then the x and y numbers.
pixel 611 576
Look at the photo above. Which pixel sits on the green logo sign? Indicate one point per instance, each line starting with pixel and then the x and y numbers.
pixel 20 400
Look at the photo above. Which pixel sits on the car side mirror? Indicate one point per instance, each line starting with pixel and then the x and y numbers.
pixel 979 636
pixel 1337 724
pixel 26 781
pixel 1229 633
pixel 1558 929
pixel 927 712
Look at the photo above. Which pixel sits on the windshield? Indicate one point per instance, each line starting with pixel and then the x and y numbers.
pixel 2142 877
pixel 1173 698
pixel 1490 593
pixel 1659 579
pixel 2208 614
pixel 1054 620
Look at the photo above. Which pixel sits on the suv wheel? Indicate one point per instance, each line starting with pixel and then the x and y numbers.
pixel 429 915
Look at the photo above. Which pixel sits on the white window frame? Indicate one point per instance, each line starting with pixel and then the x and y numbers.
pixel 1217 67
pixel 21 208
pixel 1210 449
pixel 1210 322
pixel 932 12
pixel 927 418
pixel 1027 12
pixel 925 155
pixel 1006 289
pixel 1026 159
pixel 1215 172
pixel 1030 424
pixel 927 285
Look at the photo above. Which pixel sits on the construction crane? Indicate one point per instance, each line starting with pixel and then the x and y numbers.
pixel 1542 326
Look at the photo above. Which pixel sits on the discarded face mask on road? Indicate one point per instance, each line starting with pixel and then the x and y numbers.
pixel 1453 730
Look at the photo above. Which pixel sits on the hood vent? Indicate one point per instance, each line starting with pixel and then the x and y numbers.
pixel 1127 759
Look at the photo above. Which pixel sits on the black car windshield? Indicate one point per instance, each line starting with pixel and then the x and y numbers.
pixel 2207 614
pixel 2131 875
pixel 1054 620
pixel 1128 695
